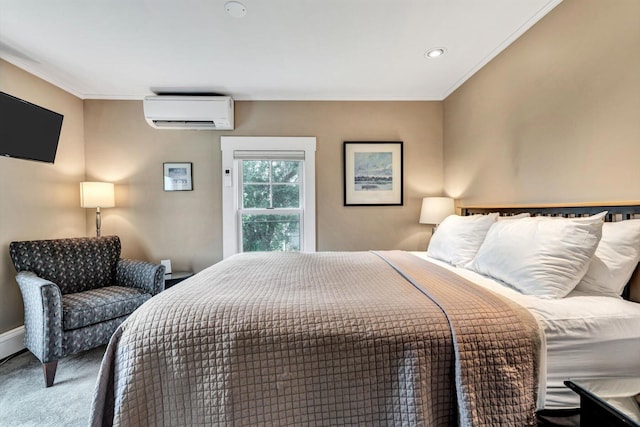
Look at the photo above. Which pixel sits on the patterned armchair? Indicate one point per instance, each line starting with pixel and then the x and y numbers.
pixel 76 293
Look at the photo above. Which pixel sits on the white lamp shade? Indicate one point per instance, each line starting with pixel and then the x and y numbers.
pixel 435 209
pixel 97 195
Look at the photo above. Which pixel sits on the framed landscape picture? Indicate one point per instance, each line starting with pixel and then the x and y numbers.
pixel 373 173
pixel 178 177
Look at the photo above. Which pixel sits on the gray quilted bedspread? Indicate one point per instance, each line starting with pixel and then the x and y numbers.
pixel 334 338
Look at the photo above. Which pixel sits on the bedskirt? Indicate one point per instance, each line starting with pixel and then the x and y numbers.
pixel 334 338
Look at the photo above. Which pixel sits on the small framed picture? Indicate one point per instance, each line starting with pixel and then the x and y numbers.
pixel 177 177
pixel 373 173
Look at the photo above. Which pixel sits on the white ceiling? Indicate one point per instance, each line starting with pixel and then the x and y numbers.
pixel 281 49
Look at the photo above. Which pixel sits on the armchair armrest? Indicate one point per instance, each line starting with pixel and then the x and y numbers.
pixel 42 316
pixel 140 274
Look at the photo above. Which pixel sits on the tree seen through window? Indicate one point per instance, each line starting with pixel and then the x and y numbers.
pixel 271 205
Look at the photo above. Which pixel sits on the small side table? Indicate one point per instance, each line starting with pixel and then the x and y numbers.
pixel 608 402
pixel 175 278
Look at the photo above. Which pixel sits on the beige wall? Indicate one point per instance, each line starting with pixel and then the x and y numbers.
pixel 38 200
pixel 556 116
pixel 186 226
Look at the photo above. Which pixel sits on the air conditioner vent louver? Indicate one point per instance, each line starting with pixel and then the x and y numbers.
pixel 189 112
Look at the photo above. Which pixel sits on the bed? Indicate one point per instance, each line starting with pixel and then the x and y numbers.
pixel 371 338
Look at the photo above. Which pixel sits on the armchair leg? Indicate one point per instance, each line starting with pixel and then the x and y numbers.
pixel 49 372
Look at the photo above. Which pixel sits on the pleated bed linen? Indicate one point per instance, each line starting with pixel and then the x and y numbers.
pixel 334 338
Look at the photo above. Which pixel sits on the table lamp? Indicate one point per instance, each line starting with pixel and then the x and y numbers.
pixel 435 209
pixel 97 195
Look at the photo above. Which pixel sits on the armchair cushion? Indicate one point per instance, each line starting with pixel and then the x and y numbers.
pixel 98 305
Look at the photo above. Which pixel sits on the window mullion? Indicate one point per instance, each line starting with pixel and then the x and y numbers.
pixel 274 211
pixel 270 184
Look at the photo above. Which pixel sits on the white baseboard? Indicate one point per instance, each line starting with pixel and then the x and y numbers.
pixel 11 342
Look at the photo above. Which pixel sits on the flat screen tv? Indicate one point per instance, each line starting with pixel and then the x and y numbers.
pixel 28 131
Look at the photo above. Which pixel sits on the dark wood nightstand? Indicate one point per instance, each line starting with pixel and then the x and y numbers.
pixel 175 278
pixel 607 401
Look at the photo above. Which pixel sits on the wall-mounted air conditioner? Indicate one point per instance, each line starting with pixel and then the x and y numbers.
pixel 189 112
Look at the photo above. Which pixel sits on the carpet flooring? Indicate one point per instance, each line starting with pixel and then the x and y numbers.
pixel 24 401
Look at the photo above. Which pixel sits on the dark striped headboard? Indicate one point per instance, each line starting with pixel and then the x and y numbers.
pixel 617 210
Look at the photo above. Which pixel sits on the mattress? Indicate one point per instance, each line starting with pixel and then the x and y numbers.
pixel 584 336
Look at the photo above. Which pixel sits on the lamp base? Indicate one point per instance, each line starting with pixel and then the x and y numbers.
pixel 98 222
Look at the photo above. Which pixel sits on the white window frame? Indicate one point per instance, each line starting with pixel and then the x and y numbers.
pixel 231 170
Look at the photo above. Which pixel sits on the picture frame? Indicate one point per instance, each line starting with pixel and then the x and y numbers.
pixel 373 173
pixel 178 176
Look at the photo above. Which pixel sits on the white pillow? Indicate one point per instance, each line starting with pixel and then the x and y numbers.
pixel 457 238
pixel 616 257
pixel 540 256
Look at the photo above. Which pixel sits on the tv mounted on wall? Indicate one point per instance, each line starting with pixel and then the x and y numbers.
pixel 28 131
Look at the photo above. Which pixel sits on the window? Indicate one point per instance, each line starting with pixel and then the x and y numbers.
pixel 270 211
pixel 268 194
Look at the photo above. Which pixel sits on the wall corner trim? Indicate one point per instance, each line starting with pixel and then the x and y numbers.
pixel 11 342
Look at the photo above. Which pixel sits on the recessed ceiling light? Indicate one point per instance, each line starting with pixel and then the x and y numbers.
pixel 235 9
pixel 435 52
